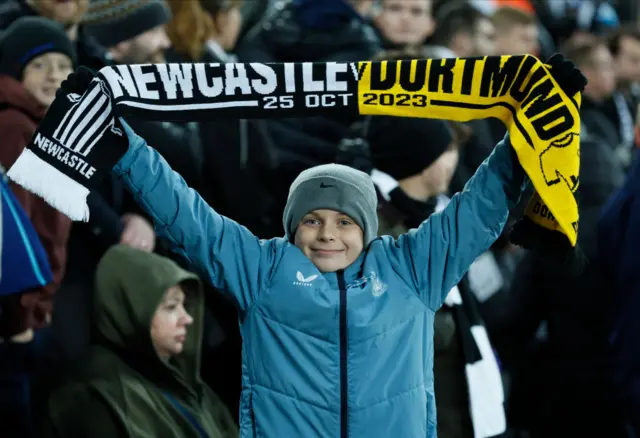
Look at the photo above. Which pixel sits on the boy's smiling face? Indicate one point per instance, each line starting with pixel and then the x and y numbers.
pixel 330 239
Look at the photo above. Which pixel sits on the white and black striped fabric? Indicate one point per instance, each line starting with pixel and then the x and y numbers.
pixel 85 123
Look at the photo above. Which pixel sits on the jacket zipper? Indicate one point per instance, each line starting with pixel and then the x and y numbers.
pixel 343 357
pixel 253 415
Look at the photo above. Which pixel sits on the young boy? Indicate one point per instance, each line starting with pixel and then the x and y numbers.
pixel 337 324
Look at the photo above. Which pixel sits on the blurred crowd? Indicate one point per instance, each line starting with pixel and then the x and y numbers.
pixel 568 348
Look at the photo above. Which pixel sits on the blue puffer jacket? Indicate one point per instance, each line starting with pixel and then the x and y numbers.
pixel 346 354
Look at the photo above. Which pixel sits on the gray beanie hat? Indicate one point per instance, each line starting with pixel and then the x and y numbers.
pixel 333 187
pixel 112 21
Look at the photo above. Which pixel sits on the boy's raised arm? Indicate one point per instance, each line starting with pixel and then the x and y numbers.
pixel 441 250
pixel 225 253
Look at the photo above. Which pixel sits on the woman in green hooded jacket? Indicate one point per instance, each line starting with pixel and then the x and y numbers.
pixel 140 377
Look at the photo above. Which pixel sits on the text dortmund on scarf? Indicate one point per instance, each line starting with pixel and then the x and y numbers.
pixel 475 82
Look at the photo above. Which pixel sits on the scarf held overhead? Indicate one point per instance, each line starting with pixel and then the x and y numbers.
pixel 81 138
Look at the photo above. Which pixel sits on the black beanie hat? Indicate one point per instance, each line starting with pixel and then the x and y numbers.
pixel 404 147
pixel 29 37
pixel 111 22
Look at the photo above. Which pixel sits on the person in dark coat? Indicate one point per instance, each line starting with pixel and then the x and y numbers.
pixel 553 335
pixel 618 240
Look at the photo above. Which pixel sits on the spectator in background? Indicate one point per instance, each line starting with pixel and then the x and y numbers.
pixel 133 32
pixel 412 175
pixel 311 30
pixel 404 23
pixel 516 32
pixel 618 241
pixel 69 14
pixel 566 18
pixel 598 118
pixel 203 30
pixel 624 45
pixel 552 333
pixel 35 57
pixel 554 338
pixel 464 30
pixel 142 372
pixel 467 32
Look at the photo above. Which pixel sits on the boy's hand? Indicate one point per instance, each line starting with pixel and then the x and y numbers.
pixel 566 74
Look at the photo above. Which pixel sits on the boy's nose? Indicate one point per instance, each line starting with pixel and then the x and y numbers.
pixel 326 234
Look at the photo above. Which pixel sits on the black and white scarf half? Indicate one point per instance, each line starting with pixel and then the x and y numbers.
pixel 484 380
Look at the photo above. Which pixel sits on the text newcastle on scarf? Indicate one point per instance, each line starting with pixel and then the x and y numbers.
pixel 543 122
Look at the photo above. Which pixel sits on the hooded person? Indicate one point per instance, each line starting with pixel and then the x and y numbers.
pixel 412 179
pixel 142 371
pixel 337 323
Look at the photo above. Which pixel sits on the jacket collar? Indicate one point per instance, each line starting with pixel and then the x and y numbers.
pixel 352 274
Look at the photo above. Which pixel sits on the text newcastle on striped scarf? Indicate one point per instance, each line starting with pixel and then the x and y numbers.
pixel 81 137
